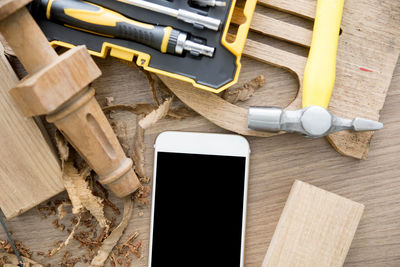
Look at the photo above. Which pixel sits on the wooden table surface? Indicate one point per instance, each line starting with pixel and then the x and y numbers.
pixel 274 165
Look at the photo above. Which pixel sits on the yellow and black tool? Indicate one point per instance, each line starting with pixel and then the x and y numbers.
pixel 95 19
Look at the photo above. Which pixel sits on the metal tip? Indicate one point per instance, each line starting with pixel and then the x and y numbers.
pixel 360 124
pixel 198 49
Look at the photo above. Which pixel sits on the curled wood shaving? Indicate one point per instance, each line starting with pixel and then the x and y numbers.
pixel 62 146
pixel 12 260
pixel 109 100
pixel 156 115
pixel 80 194
pixel 138 154
pixel 181 113
pixel 245 91
pixel 110 242
pixel 66 242
pixel 61 210
pixel 150 79
pixel 77 187
pixel 139 108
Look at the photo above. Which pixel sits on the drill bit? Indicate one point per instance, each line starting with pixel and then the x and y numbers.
pixel 209 3
pixel 180 14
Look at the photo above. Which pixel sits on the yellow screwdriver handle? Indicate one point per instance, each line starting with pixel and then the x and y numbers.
pixel 320 70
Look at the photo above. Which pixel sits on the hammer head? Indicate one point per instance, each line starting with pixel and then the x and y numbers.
pixel 312 121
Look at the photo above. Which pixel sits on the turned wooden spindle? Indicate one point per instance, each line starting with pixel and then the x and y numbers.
pixel 58 86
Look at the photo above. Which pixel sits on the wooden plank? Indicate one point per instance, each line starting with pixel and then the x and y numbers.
pixel 276 28
pixel 29 169
pixel 316 229
pixel 303 8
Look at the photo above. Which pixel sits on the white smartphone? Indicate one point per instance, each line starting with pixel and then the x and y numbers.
pixel 199 199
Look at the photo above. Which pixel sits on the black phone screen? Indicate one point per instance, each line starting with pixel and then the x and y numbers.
pixel 198 210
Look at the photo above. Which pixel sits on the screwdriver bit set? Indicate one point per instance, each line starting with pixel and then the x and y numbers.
pixel 188 40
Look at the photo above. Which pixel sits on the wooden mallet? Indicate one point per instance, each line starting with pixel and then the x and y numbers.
pixel 58 86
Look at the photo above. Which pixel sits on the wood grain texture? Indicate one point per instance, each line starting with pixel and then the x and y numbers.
pixel 316 229
pixel 29 169
pixel 367 55
pixel 8 7
pixel 275 164
pixel 24 36
pixel 304 8
pixel 276 28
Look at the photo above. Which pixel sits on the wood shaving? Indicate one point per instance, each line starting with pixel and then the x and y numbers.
pixel 181 113
pixel 61 210
pixel 108 203
pixel 80 194
pixel 109 100
pixel 156 115
pixel 62 146
pixel 138 154
pixel 110 242
pixel 139 108
pixel 245 91
pixel 66 242
pixel 150 79
pixel 12 260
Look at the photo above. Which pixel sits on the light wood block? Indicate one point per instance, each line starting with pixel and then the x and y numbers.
pixel 29 170
pixel 316 228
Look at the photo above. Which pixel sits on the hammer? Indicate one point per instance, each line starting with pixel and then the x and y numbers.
pixel 314 120
pixel 58 86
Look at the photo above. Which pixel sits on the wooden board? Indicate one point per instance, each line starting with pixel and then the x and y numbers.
pixel 367 54
pixel 29 169
pixel 316 229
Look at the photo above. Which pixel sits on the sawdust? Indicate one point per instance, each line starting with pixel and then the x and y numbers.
pixel 23 251
pixel 66 242
pixel 7 259
pixel 156 115
pixel 110 242
pixel 245 91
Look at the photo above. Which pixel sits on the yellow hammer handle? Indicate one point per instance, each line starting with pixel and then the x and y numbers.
pixel 320 70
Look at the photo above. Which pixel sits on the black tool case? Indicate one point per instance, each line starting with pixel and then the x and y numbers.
pixel 214 73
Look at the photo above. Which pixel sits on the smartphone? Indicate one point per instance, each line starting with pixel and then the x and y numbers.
pixel 199 199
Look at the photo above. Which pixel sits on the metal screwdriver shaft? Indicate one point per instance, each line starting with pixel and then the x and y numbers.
pixel 180 14
pixel 209 3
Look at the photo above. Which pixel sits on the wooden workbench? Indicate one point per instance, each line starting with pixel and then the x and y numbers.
pixel 274 165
